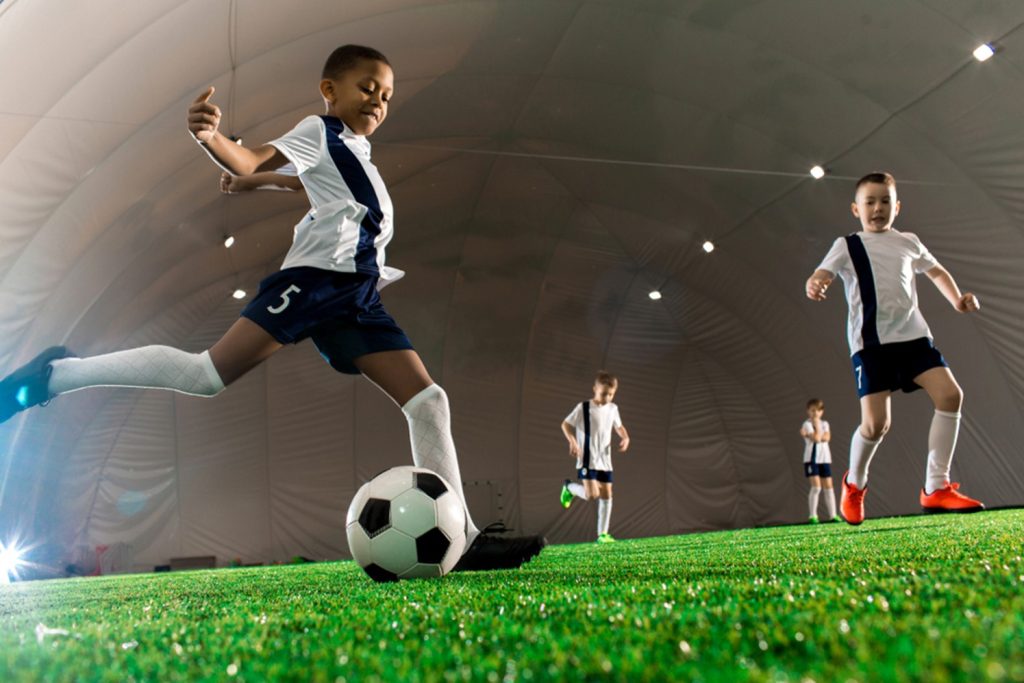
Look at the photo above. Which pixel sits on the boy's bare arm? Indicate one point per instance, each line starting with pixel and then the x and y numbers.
pixel 964 302
pixel 570 435
pixel 623 438
pixel 818 283
pixel 233 184
pixel 203 123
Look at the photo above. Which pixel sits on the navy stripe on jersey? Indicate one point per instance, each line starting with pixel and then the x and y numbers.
pixel 866 283
pixel 586 435
pixel 362 189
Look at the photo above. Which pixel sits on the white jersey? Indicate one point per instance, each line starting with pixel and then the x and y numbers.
pixel 351 219
pixel 815 452
pixel 878 270
pixel 595 452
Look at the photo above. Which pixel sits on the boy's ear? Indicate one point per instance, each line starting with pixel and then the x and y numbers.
pixel 854 209
pixel 327 89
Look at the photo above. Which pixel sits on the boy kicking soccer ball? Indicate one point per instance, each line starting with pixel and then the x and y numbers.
pixel 891 343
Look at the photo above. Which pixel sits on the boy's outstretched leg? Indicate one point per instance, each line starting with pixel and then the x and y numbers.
pixel 29 385
pixel 402 376
pixel 939 494
pixel 55 371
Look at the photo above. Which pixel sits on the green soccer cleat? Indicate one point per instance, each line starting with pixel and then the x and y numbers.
pixel 566 495
pixel 605 538
pixel 813 519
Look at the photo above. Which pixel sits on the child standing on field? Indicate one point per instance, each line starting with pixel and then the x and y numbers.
pixel 588 429
pixel 818 460
pixel 891 344
pixel 327 288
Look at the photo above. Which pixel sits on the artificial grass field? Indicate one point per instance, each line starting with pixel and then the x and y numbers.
pixel 915 598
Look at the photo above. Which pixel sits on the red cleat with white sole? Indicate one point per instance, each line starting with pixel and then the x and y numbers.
pixel 851 503
pixel 948 499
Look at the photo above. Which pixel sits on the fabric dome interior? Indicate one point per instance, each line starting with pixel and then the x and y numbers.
pixel 551 163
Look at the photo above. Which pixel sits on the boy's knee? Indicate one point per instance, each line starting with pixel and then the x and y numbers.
pixel 815 489
pixel 950 400
pixel 874 430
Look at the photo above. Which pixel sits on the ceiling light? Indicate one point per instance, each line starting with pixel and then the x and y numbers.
pixel 654 295
pixel 817 172
pixel 238 294
pixel 708 246
pixel 983 52
pixel 229 240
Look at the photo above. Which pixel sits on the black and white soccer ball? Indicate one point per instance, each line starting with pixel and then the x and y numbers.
pixel 406 523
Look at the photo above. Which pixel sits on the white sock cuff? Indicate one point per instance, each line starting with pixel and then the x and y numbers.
pixel 858 435
pixel 434 391
pixel 216 383
pixel 946 413
pixel 815 489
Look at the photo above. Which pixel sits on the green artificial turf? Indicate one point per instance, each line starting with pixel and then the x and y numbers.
pixel 918 598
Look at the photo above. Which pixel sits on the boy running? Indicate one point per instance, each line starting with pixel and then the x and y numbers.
pixel 891 343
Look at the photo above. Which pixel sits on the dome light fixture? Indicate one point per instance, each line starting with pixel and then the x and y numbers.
pixel 228 241
pixel 708 246
pixel 983 52
pixel 817 172
pixel 238 294
pixel 654 295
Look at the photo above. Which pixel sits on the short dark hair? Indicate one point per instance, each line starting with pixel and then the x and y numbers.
pixel 880 177
pixel 816 403
pixel 607 379
pixel 347 56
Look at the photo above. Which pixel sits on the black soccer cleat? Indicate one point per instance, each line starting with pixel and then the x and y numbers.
pixel 28 385
pixel 494 552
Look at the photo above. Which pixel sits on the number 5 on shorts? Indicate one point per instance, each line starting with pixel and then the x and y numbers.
pixel 292 289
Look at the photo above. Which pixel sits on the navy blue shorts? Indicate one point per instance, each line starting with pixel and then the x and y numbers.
pixel 603 476
pixel 894 366
pixel 817 469
pixel 341 312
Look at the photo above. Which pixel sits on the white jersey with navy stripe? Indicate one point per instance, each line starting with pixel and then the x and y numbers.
pixel 351 219
pixel 878 270
pixel 815 452
pixel 595 453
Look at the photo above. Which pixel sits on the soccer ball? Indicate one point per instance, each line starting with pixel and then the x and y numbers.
pixel 406 523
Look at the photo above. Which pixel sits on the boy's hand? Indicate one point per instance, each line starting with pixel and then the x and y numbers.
pixel 232 184
pixel 574 448
pixel 623 445
pixel 816 287
pixel 968 303
pixel 203 117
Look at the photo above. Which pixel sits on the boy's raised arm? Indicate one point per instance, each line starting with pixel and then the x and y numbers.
pixel 204 121
pixel 944 282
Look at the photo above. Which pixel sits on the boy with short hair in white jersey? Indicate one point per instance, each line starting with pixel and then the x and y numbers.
pixel 327 288
pixel 818 460
pixel 588 429
pixel 891 343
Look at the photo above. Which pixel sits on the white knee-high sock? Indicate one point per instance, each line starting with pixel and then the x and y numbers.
pixel 151 367
pixel 830 502
pixel 861 452
pixel 430 433
pixel 604 515
pixel 577 490
pixel 812 500
pixel 941 442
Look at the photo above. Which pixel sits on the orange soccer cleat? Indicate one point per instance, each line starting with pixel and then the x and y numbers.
pixel 948 499
pixel 851 503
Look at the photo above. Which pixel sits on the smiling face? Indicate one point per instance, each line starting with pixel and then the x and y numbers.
pixel 876 206
pixel 359 96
